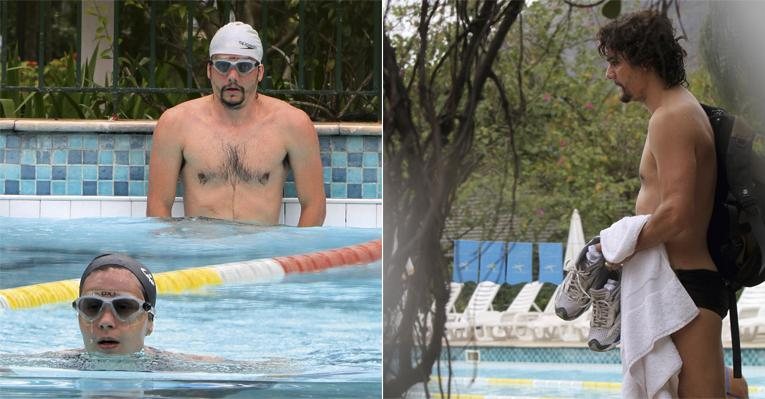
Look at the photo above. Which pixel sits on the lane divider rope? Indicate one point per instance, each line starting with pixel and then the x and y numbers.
pixel 177 281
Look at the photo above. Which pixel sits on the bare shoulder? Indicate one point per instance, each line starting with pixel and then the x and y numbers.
pixel 291 119
pixel 181 114
pixel 677 123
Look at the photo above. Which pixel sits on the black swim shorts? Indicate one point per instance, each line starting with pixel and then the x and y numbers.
pixel 706 288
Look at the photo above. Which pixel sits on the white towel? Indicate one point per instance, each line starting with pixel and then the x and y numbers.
pixel 653 305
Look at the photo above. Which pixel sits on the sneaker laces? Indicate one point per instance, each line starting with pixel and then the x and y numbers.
pixel 601 313
pixel 580 295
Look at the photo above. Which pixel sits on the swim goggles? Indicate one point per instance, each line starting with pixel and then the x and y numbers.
pixel 244 67
pixel 126 308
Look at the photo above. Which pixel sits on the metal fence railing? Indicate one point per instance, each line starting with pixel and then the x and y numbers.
pixel 341 84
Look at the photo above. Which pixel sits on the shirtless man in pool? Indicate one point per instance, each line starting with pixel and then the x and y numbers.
pixel 232 149
pixel 677 175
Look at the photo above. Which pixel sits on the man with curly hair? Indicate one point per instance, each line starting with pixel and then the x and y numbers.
pixel 677 182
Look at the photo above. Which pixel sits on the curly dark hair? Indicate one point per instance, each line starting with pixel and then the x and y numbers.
pixel 647 39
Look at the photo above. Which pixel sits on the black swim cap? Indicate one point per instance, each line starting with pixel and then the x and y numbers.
pixel 140 271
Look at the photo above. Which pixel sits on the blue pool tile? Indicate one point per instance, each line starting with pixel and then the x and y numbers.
pixel 327 190
pixel 325 159
pixel 354 190
pixel 28 141
pixel 44 142
pixel 289 190
pixel 27 172
pixel 339 159
pixel 324 143
pixel 121 157
pixel 89 187
pixel 339 143
pixel 355 144
pixel 121 142
pixel 354 175
pixel 12 172
pixel 338 175
pixel 121 188
pixel 354 159
pixel 372 143
pixel 29 157
pixel 28 187
pixel 369 160
pixel 146 157
pixel 105 187
pixel 2 140
pixel 90 172
pixel 12 141
pixel 106 157
pixel 12 156
pixel 60 141
pixel 369 190
pixel 11 187
pixel 136 173
pixel 327 174
pixel 137 141
pixel 58 187
pixel 90 157
pixel 73 187
pixel 339 190
pixel 137 157
pixel 90 142
pixel 149 142
pixel 2 174
pixel 75 141
pixel 43 187
pixel 137 188
pixel 106 141
pixel 121 173
pixel 75 157
pixel 2 155
pixel 74 173
pixel 59 157
pixel 370 175
pixel 43 157
pixel 105 173
pixel 43 172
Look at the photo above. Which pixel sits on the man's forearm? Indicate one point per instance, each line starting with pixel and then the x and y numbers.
pixel 158 209
pixel 312 214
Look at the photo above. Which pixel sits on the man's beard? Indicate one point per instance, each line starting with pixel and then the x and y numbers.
pixel 626 96
pixel 231 104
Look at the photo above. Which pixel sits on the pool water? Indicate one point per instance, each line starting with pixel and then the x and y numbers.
pixel 309 335
pixel 547 380
pixel 42 250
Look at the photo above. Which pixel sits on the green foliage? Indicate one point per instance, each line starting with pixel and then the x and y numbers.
pixel 577 145
pixel 278 23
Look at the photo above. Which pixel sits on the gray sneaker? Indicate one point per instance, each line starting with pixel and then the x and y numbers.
pixel 605 326
pixel 590 271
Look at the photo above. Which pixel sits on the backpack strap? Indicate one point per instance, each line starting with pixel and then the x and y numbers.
pixel 741 180
pixel 734 333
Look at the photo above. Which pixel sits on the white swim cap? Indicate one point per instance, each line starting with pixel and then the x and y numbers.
pixel 237 38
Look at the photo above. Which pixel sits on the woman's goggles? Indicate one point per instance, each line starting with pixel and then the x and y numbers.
pixel 244 67
pixel 125 308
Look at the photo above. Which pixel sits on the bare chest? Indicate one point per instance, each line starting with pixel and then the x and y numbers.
pixel 255 155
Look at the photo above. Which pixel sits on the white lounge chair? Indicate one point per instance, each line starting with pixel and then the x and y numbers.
pixel 751 314
pixel 454 293
pixel 480 301
pixel 534 326
pixel 498 325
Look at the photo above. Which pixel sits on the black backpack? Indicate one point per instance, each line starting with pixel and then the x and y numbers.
pixel 736 234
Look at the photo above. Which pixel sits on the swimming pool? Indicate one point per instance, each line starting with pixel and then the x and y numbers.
pixel 536 380
pixel 309 335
